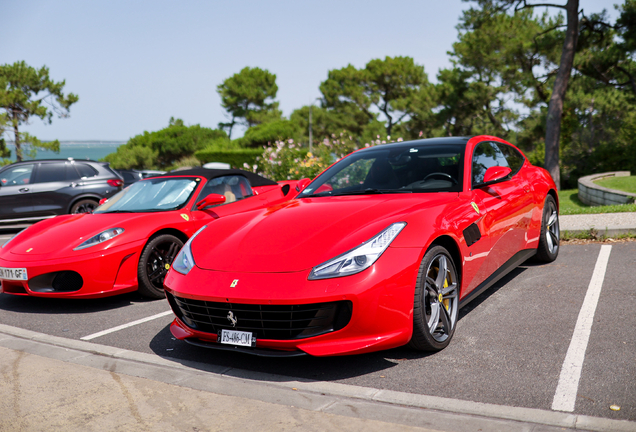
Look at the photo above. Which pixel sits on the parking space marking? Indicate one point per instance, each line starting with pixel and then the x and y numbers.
pixel 125 326
pixel 565 395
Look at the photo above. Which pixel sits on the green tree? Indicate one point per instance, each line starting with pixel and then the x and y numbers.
pixel 385 90
pixel 25 93
pixel 562 77
pixel 5 153
pixel 164 148
pixel 248 97
pixel 499 58
pixel 607 51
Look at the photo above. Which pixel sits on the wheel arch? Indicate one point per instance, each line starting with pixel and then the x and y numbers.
pixel 448 243
pixel 172 231
pixel 77 199
pixel 555 196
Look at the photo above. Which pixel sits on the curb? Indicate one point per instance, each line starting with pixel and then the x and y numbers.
pixel 334 398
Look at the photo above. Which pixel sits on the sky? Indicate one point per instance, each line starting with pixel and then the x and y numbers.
pixel 136 64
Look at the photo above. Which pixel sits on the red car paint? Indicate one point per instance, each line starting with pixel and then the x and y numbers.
pixel 110 268
pixel 268 254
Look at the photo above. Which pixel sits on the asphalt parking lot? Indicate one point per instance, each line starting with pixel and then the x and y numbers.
pixel 509 347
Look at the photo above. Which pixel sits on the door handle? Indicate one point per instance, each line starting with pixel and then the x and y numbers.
pixel 23 190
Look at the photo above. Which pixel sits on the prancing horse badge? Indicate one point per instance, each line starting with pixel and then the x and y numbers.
pixel 234 283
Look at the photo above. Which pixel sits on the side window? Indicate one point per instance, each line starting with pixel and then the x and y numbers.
pixel 85 170
pixel 514 158
pixel 486 155
pixel 233 187
pixel 19 175
pixel 128 177
pixel 51 172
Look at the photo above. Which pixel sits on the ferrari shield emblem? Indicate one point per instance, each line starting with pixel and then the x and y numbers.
pixel 185 216
pixel 29 249
pixel 234 283
pixel 475 207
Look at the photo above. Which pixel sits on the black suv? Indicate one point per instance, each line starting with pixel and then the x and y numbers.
pixel 39 189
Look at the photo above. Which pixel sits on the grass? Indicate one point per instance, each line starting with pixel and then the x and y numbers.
pixel 625 184
pixel 569 204
pixel 594 234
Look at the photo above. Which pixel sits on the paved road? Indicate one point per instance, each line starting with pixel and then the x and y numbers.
pixel 509 347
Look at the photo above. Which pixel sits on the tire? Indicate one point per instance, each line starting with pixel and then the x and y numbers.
pixel 84 206
pixel 154 262
pixel 434 321
pixel 548 248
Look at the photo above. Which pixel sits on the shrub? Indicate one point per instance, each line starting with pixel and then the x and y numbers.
pixel 237 158
pixel 268 133
pixel 287 160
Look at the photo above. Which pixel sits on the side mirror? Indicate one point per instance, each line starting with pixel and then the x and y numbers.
pixel 103 201
pixel 495 174
pixel 209 200
pixel 302 184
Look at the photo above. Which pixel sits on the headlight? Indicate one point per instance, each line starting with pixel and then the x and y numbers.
pixel 7 242
pixel 359 258
pixel 184 261
pixel 100 238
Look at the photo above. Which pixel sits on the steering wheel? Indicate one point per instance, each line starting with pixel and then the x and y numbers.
pixel 441 174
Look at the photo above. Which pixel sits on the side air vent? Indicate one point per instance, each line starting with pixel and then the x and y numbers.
pixel 472 234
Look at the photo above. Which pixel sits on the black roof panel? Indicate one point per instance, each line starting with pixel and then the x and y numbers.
pixel 254 179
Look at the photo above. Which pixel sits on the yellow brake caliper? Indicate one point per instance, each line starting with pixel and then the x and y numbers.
pixel 447 301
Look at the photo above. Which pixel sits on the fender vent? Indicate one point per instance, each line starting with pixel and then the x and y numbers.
pixel 472 234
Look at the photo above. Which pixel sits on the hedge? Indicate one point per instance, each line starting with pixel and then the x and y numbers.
pixel 236 158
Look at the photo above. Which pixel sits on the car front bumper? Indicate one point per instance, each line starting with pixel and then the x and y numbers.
pixel 381 299
pixel 103 273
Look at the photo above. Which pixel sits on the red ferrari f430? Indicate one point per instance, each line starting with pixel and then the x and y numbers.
pixel 129 241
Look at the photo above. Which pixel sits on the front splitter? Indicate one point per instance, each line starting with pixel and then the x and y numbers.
pixel 260 352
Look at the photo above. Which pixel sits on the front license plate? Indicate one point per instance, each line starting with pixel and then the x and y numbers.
pixel 19 274
pixel 235 337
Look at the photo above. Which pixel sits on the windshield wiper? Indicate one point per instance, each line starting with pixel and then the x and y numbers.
pixel 116 211
pixel 372 191
pixel 319 194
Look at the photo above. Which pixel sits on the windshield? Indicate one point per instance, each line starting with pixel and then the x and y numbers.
pixel 398 169
pixel 152 195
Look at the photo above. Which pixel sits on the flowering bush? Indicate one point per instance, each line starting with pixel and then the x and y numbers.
pixel 287 160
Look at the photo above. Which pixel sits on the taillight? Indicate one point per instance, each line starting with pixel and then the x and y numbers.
pixel 115 182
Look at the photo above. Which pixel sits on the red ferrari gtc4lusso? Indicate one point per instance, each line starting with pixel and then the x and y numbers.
pixel 129 242
pixel 380 250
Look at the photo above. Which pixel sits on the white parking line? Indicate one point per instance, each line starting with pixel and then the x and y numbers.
pixel 565 395
pixel 124 326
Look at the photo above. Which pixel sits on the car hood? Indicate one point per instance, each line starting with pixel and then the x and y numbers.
pixel 58 236
pixel 303 233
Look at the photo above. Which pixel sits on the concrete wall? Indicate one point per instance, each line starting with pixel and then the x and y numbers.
pixel 595 195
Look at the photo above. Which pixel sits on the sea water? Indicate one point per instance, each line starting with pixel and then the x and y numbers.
pixel 93 150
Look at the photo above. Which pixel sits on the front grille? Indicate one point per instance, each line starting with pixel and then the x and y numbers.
pixel 277 322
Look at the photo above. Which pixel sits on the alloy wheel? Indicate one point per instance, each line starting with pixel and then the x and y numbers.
pixel 441 298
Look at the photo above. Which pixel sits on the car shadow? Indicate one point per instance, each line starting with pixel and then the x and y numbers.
pixel 286 368
pixel 301 368
pixel 492 290
pixel 40 305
